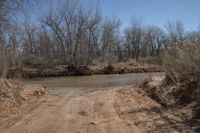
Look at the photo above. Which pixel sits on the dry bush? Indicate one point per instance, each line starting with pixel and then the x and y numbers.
pixel 155 60
pixel 32 60
pixel 7 61
pixel 3 66
pixel 129 62
pixel 183 61
pixel 10 90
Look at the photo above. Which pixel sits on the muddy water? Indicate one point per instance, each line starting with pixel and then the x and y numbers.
pixel 94 81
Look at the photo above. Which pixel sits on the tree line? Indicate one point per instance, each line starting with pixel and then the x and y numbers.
pixel 69 33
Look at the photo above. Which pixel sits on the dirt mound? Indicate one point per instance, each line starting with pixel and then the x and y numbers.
pixel 15 92
pixel 131 67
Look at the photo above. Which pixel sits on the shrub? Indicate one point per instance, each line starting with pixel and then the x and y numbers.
pixel 32 60
pixel 10 89
pixel 109 69
pixel 155 60
pixel 183 61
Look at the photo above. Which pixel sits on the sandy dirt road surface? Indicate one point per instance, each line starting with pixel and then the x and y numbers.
pixel 113 110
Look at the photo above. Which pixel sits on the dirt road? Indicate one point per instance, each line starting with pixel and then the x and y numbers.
pixel 114 110
pixel 73 112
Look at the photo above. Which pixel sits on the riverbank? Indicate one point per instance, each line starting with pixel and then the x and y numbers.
pixel 97 69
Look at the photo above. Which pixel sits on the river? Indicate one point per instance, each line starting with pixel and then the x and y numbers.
pixel 92 82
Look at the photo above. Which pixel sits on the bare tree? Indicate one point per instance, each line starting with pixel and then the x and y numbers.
pixel 110 38
pixel 69 33
pixel 154 41
pixel 134 38
pixel 175 30
pixel 77 31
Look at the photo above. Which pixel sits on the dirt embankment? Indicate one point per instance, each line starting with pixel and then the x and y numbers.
pixel 15 96
pixel 137 108
pixel 64 70
pixel 181 98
